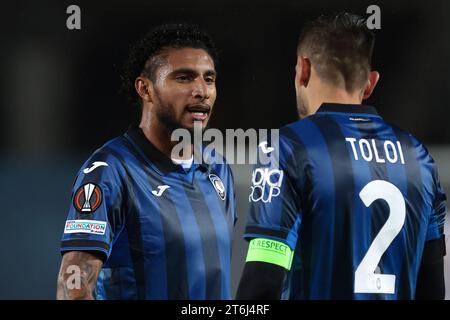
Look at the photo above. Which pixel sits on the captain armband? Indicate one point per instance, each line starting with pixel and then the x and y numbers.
pixel 270 251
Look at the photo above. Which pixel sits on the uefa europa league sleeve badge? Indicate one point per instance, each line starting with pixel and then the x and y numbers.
pixel 87 198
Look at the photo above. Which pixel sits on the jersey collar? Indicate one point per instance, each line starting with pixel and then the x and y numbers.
pixel 347 108
pixel 162 163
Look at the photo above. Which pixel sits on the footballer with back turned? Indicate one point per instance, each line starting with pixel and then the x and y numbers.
pixel 142 224
pixel 351 206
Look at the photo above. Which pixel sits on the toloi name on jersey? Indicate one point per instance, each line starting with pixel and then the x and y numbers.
pixel 367 150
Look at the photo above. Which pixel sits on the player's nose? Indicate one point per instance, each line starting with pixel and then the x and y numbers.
pixel 200 90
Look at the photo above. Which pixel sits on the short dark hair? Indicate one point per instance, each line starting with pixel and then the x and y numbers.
pixel 340 46
pixel 145 55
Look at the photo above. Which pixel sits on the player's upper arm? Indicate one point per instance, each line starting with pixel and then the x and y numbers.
pixel 436 220
pixel 430 281
pixel 96 214
pixel 267 264
pixel 274 217
pixel 275 196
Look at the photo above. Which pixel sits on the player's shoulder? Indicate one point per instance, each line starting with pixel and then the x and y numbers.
pixel 293 129
pixel 287 147
pixel 288 128
pixel 407 137
pixel 413 145
pixel 103 168
pixel 290 133
pixel 109 156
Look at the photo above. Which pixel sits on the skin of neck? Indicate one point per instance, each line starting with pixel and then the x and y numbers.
pixel 320 92
pixel 159 135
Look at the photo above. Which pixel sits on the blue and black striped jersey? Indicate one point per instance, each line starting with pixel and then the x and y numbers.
pixel 355 197
pixel 165 231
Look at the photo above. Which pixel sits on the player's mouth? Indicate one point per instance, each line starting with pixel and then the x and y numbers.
pixel 199 112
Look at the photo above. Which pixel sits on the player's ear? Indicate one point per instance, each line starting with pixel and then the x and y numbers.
pixel 303 71
pixel 374 76
pixel 144 87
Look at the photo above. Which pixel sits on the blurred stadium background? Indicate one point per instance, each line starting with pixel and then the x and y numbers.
pixel 59 99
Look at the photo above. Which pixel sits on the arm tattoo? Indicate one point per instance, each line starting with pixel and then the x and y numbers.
pixel 78 275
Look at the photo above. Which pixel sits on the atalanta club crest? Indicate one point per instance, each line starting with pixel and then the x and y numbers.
pixel 218 185
pixel 87 198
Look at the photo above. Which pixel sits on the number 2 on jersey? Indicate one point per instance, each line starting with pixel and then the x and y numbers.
pixel 366 280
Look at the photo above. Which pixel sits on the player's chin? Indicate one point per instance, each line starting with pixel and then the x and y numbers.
pixel 194 124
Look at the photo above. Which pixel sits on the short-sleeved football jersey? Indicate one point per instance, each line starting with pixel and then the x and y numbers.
pixel 355 197
pixel 165 231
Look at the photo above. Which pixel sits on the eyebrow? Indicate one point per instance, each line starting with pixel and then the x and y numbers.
pixel 211 73
pixel 193 72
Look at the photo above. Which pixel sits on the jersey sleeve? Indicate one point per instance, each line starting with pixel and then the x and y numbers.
pixel 435 229
pixel 274 195
pixel 95 215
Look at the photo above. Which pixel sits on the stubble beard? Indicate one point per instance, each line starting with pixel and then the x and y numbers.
pixel 165 113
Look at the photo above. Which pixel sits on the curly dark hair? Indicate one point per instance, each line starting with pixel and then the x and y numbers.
pixel 340 46
pixel 145 55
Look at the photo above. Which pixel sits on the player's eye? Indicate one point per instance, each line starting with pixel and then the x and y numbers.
pixel 210 80
pixel 182 78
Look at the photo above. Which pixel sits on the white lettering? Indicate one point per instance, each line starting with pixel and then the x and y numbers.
pixel 193 310
pixel 375 151
pixel 368 151
pixel 400 151
pixel 73 22
pixel 352 143
pixel 369 156
pixel 266 184
pixel 374 21
pixel 394 151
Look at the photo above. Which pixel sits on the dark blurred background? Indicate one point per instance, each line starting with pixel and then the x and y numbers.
pixel 60 100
